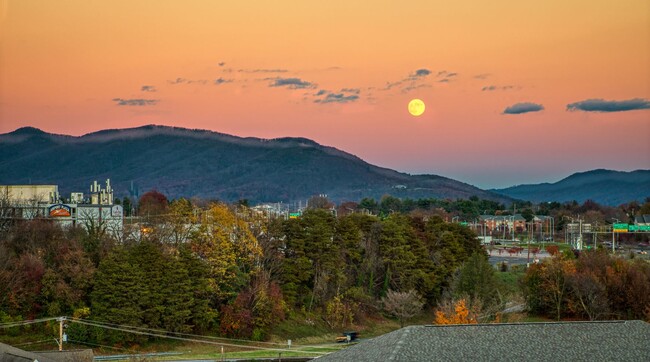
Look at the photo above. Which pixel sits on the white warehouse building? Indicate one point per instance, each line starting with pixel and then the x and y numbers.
pixel 96 209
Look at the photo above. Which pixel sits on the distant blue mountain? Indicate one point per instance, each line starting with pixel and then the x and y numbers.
pixel 210 165
pixel 605 187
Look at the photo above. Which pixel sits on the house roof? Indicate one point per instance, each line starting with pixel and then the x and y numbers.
pixel 561 341
pixel 642 219
pixel 13 354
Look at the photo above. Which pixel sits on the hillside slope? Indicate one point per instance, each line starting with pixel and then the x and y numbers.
pixel 183 162
pixel 603 186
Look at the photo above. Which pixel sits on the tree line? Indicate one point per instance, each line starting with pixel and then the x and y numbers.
pixel 208 267
pixel 224 269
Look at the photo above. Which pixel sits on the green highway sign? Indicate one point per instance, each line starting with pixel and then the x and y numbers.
pixel 620 228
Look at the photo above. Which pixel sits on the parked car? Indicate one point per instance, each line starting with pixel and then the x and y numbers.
pixel 347 337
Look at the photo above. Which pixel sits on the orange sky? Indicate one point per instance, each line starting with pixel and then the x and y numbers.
pixel 75 67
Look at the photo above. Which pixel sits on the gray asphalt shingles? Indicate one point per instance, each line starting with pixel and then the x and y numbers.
pixel 564 341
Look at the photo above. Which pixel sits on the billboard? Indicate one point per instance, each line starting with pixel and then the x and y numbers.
pixel 60 210
pixel 116 211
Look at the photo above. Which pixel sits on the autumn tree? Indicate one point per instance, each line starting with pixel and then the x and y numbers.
pixel 403 305
pixel 255 310
pixel 455 312
pixel 226 244
pixel 180 219
pixel 152 203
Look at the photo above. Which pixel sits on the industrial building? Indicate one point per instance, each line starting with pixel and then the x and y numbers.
pixel 95 209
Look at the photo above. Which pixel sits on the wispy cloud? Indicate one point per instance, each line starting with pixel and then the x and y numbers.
pixel 345 95
pixel 221 64
pixel 187 81
pixel 148 88
pixel 497 87
pixel 413 81
pixel 601 105
pixel 351 90
pixel 291 83
pixel 524 107
pixel 482 76
pixel 337 98
pixel 220 80
pixel 445 76
pixel 414 87
pixel 135 102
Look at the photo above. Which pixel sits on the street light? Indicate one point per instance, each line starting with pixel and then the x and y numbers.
pixel 613 236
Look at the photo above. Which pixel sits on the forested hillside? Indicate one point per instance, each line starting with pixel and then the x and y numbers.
pixel 605 187
pixel 225 270
pixel 195 163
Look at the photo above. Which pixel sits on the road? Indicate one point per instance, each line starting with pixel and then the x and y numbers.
pixel 515 259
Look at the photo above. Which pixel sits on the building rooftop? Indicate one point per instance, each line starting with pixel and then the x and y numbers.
pixel 561 341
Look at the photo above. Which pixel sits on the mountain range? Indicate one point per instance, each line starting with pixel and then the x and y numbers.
pixel 183 162
pixel 196 163
pixel 606 187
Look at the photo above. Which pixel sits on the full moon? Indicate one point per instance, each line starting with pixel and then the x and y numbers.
pixel 416 107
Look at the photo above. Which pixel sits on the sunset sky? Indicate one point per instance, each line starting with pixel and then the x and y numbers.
pixel 515 91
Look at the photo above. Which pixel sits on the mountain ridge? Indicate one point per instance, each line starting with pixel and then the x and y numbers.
pixel 185 162
pixel 607 187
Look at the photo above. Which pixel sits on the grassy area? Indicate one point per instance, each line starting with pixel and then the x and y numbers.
pixel 229 353
pixel 509 282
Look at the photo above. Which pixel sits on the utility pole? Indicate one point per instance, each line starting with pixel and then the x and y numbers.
pixel 580 237
pixel 61 320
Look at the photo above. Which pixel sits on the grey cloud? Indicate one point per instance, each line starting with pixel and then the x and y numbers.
pixel 482 76
pixel 494 87
pixel 219 81
pixel 320 93
pixel 177 81
pixel 292 83
pixel 351 90
pixel 445 76
pixel 524 107
pixel 412 87
pixel 148 88
pixel 187 81
pixel 420 73
pixel 221 64
pixel 135 102
pixel 338 98
pixel 601 105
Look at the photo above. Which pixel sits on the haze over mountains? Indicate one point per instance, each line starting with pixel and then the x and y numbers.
pixel 182 162
pixel 603 186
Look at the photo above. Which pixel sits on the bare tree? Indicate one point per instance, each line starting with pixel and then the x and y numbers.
pixel 403 305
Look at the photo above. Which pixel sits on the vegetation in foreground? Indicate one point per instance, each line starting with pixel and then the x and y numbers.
pixel 225 270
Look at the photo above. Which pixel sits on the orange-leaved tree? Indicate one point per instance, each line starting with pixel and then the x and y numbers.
pixel 455 313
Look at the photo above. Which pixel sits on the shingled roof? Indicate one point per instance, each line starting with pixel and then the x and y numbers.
pixel 561 341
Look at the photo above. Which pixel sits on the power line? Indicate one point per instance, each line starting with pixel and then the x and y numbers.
pixel 162 334
pixel 25 322
pixel 175 333
pixel 189 339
